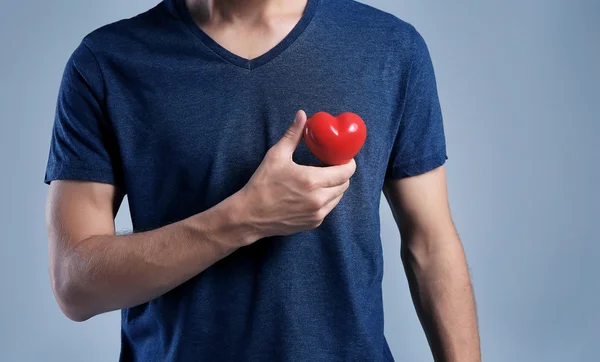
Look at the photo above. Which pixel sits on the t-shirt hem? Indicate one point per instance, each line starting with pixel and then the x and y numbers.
pixel 79 174
pixel 417 167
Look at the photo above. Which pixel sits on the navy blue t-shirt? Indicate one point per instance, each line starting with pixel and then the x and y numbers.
pixel 153 105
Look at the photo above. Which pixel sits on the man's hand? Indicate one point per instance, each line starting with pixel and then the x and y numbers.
pixel 283 197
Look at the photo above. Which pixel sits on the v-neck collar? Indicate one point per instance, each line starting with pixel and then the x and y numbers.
pixel 235 59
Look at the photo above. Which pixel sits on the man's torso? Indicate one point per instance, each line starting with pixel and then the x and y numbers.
pixel 192 122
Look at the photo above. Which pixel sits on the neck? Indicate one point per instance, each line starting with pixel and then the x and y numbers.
pixel 247 11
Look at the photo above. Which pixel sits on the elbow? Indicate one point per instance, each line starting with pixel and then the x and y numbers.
pixel 407 255
pixel 69 301
pixel 70 297
pixel 74 315
pixel 422 250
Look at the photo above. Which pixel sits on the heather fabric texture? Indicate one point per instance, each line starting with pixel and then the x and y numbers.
pixel 155 106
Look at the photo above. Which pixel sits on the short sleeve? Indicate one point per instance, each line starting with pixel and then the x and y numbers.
pixel 420 144
pixel 83 145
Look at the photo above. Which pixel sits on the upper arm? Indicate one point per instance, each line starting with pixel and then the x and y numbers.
pixel 420 204
pixel 77 210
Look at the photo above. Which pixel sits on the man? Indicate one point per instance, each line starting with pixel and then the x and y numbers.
pixel 243 249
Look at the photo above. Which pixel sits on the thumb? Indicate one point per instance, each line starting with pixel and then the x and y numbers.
pixel 293 136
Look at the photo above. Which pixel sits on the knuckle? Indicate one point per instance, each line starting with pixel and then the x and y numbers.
pixel 352 169
pixel 333 181
pixel 346 185
pixel 320 215
pixel 290 133
pixel 317 223
pixel 309 183
pixel 316 203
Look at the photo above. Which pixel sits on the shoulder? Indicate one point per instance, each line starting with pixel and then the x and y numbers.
pixel 369 15
pixel 130 33
pixel 371 27
pixel 356 16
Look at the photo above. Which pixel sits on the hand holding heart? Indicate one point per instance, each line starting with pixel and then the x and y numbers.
pixel 283 197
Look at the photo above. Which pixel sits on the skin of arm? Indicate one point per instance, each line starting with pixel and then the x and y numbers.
pixel 93 271
pixel 435 265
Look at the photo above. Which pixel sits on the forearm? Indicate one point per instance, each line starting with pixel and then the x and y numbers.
pixel 443 297
pixel 105 273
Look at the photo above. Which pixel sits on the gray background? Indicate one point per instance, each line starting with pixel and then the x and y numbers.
pixel 518 81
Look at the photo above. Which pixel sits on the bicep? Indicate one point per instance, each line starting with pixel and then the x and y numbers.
pixel 77 210
pixel 420 203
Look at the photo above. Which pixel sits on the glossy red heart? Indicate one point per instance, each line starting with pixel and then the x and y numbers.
pixel 335 140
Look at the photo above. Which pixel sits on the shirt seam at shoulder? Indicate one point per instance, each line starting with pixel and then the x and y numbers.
pixel 99 69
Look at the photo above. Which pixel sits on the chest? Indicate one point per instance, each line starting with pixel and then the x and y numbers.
pixel 199 131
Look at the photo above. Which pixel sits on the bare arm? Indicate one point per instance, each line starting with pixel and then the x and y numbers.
pixel 95 271
pixel 435 265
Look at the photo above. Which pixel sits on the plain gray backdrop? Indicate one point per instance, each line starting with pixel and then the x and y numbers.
pixel 518 82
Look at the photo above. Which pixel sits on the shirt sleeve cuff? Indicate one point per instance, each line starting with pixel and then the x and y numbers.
pixel 417 166
pixel 79 174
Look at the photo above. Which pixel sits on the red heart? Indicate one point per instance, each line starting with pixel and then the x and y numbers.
pixel 335 140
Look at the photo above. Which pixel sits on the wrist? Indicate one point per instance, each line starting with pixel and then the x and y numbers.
pixel 237 208
pixel 227 225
